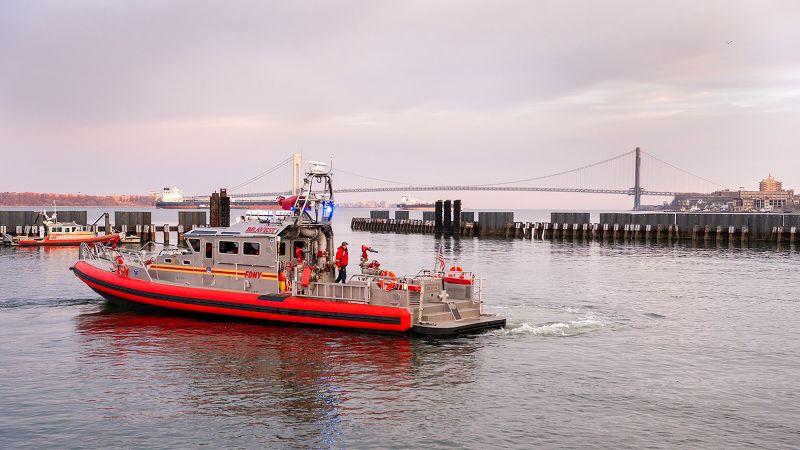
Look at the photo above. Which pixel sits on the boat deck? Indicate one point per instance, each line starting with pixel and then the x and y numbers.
pixel 455 327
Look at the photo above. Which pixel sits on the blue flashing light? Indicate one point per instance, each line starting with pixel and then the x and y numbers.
pixel 327 210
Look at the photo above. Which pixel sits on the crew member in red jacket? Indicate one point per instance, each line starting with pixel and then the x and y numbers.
pixel 341 263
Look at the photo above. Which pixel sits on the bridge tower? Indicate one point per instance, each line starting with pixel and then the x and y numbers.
pixel 297 170
pixel 637 185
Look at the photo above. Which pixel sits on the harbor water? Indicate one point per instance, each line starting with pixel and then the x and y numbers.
pixel 607 345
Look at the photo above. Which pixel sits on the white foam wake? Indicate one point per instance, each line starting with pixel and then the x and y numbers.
pixel 558 329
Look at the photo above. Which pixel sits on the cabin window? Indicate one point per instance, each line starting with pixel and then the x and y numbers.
pixel 56 229
pixel 167 260
pixel 209 249
pixel 186 262
pixel 251 248
pixel 282 248
pixel 195 244
pixel 229 247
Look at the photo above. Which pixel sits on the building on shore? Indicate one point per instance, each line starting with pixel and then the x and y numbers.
pixel 770 196
pixel 770 184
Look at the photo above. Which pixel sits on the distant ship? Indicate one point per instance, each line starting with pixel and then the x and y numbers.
pixel 172 198
pixel 413 203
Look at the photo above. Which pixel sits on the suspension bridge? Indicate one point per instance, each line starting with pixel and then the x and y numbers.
pixel 634 173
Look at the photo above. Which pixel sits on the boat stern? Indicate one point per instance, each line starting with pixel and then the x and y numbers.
pixel 455 327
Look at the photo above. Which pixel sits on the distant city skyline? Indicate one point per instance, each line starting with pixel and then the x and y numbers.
pixel 126 98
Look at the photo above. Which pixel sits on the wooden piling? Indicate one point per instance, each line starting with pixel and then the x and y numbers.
pixel 469 228
pixel 214 208
pixel 447 217
pixel 509 230
pixel 166 234
pixel 437 219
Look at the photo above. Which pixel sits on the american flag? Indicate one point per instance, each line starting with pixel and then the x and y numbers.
pixel 440 260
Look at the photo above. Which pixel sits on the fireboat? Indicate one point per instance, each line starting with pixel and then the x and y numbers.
pixel 53 233
pixel 278 268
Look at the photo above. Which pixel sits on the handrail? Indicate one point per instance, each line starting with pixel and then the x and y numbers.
pixel 324 286
pixel 84 251
pixel 148 244
pixel 480 295
pixel 100 251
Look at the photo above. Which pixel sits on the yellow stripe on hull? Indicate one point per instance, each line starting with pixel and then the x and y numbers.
pixel 216 272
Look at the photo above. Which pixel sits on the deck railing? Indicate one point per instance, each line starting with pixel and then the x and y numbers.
pixel 99 251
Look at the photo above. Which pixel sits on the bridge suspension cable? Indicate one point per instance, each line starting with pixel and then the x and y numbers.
pixel 262 174
pixel 684 170
pixel 371 178
pixel 564 172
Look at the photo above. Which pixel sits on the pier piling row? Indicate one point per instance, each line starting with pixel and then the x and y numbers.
pixel 625 227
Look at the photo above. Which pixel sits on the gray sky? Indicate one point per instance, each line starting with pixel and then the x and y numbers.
pixel 126 97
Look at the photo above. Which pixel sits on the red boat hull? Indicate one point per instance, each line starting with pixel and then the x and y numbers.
pixel 68 242
pixel 271 307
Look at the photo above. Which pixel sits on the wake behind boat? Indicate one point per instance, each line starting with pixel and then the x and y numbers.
pixel 279 269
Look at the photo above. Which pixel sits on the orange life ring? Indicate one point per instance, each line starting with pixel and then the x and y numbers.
pixel 455 270
pixel 387 285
